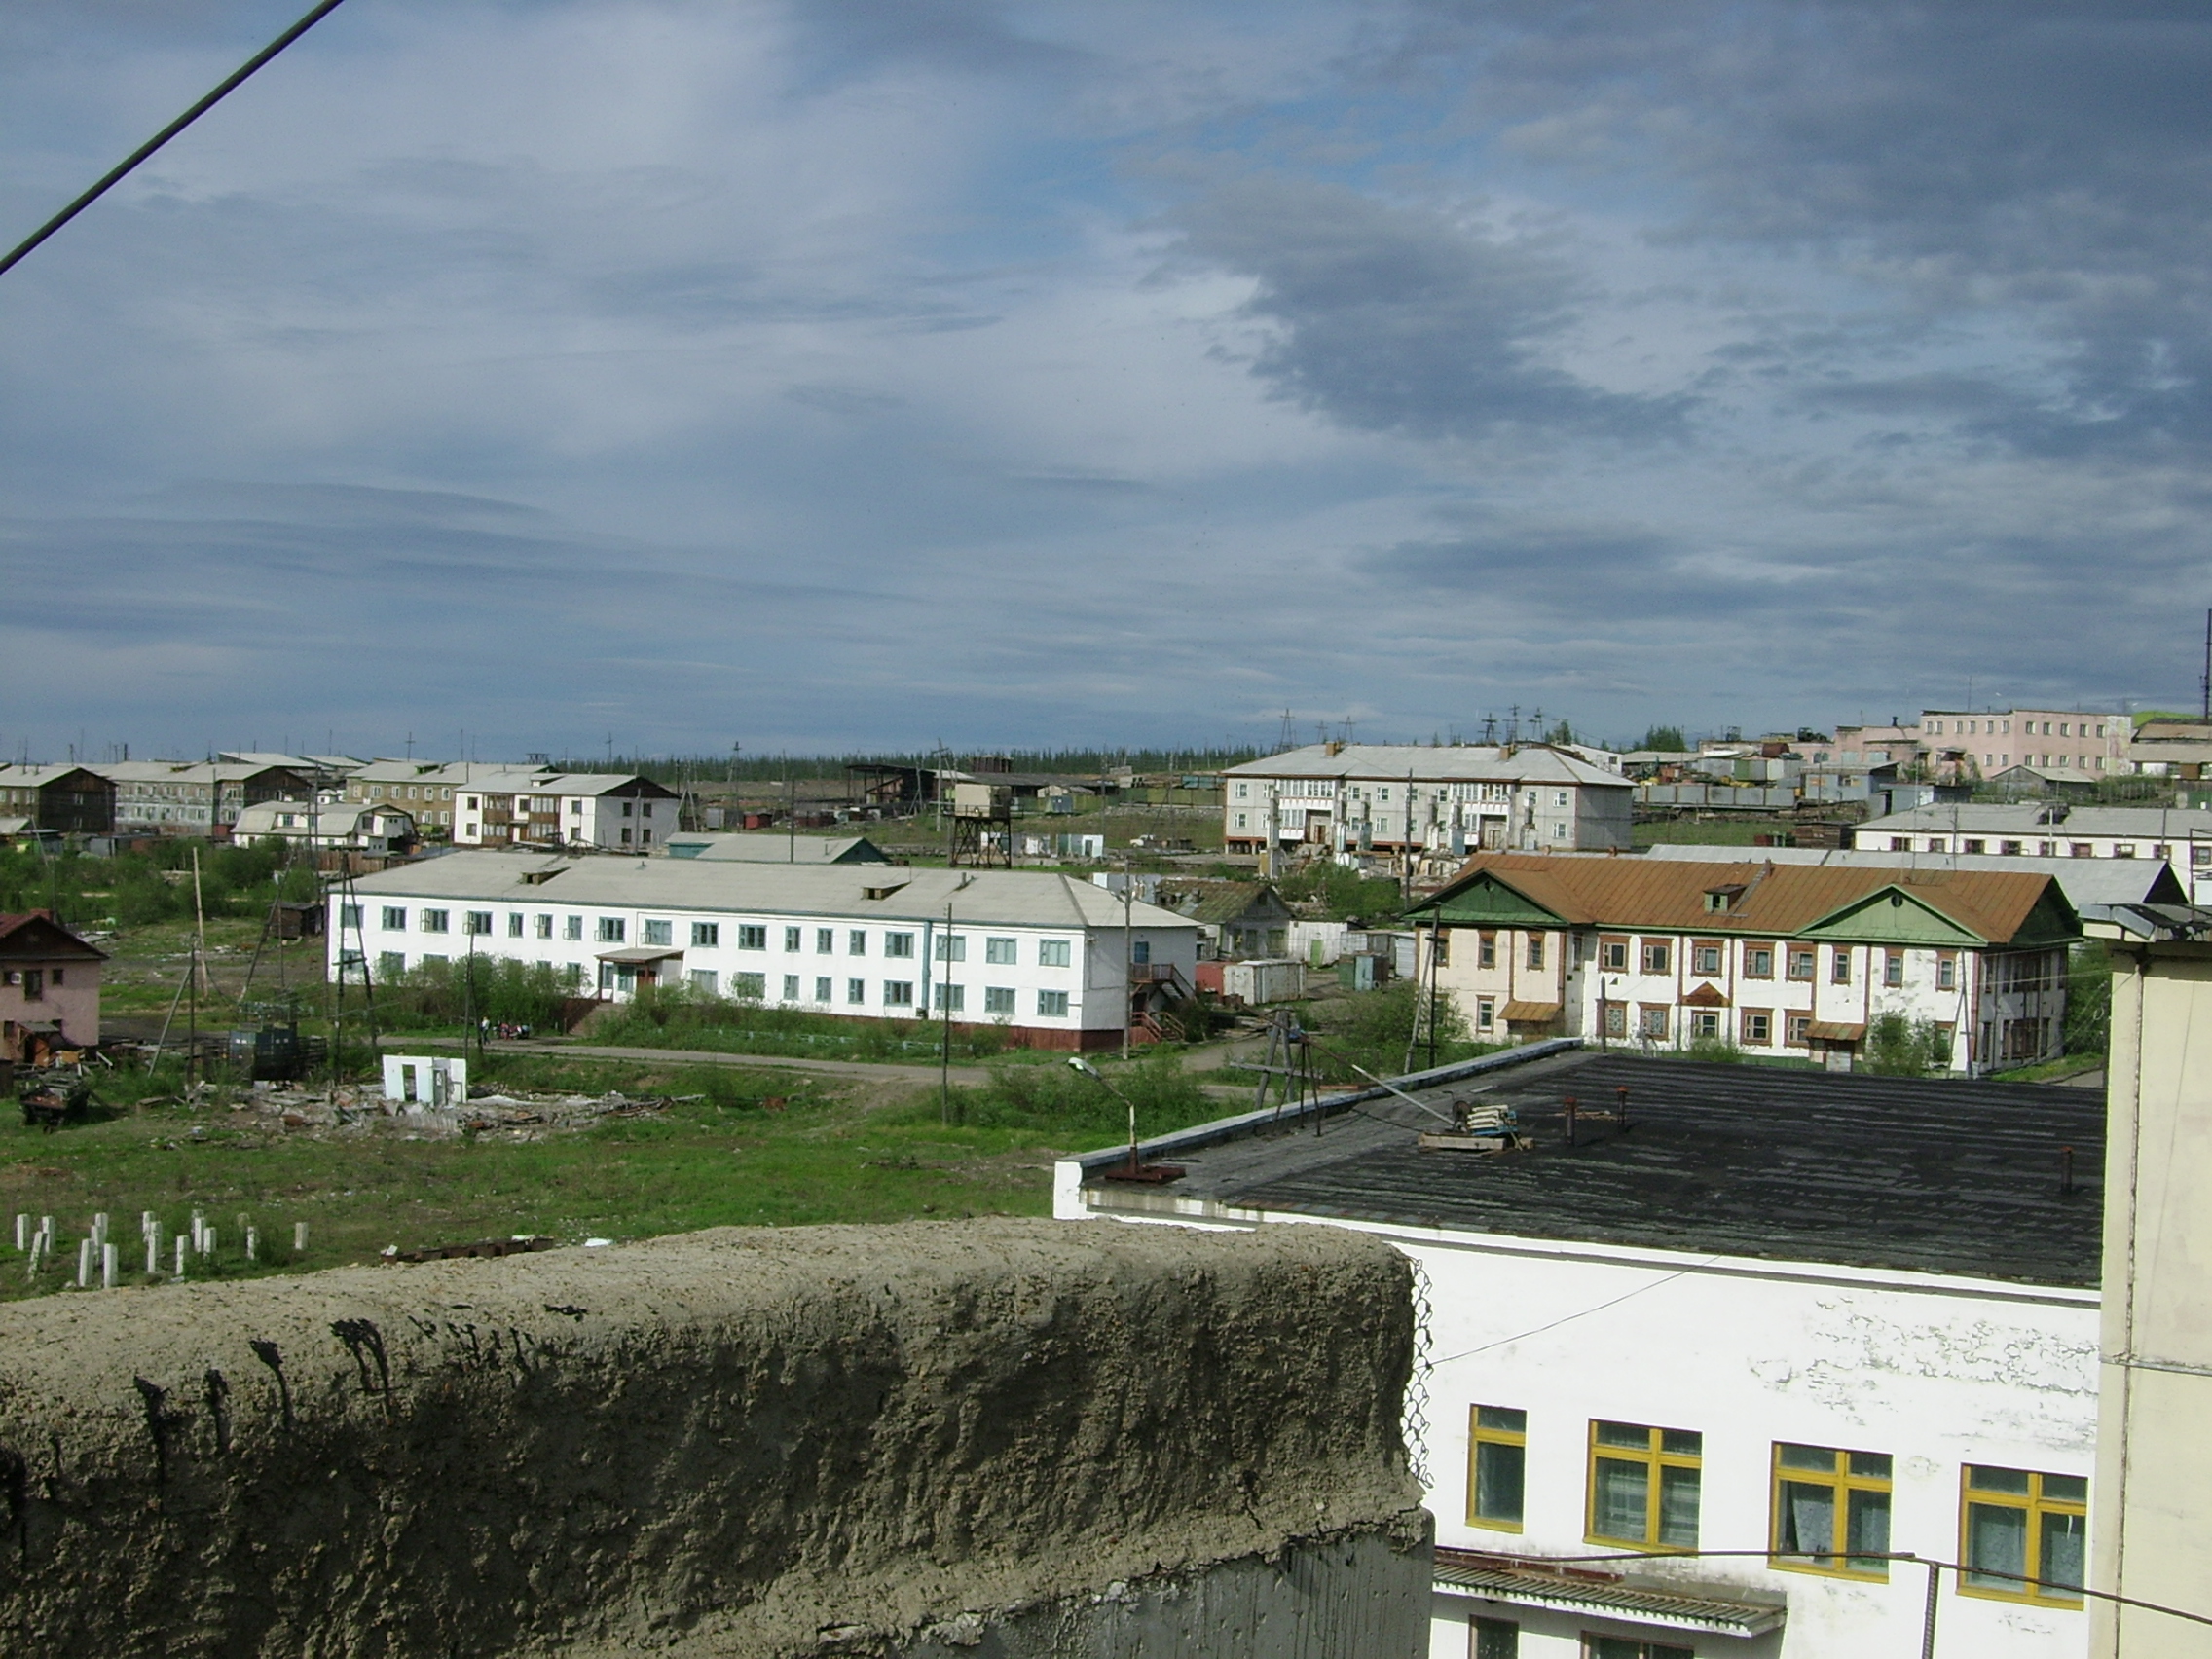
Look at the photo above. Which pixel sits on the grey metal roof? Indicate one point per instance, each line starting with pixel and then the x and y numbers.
pixel 1532 1582
pixel 2083 881
pixel 2026 819
pixel 1392 762
pixel 1740 1160
pixel 978 897
pixel 769 847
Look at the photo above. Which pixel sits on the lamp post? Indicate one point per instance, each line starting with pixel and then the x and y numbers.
pixel 1079 1063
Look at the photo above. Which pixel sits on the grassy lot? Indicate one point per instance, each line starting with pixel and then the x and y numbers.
pixel 831 1152
pixel 1688 832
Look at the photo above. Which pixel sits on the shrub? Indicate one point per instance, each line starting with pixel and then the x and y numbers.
pixel 1898 1047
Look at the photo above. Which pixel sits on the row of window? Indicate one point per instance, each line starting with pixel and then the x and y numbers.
pixel 1831 1505
pixel 1500 1639
pixel 706 936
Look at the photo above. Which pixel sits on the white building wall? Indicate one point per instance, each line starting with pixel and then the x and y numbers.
pixel 1935 1372
pixel 571 942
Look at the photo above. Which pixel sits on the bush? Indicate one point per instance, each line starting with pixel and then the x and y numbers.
pixel 470 990
pixel 1343 892
pixel 1898 1047
pixel 1061 1100
pixel 1717 1050
pixel 2089 1000
pixel 680 1018
pixel 1371 1031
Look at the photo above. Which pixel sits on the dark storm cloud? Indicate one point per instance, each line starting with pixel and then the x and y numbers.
pixel 1395 320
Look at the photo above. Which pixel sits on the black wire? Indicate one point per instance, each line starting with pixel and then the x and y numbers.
pixel 123 169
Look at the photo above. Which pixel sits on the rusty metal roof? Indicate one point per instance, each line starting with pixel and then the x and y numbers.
pixel 1776 899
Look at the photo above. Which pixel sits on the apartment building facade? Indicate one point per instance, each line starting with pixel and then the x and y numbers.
pixel 1045 956
pixel 1408 798
pixel 2051 829
pixel 1788 960
pixel 178 798
pixel 1801 1320
pixel 476 805
pixel 1981 742
pixel 65 799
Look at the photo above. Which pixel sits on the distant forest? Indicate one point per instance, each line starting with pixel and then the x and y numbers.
pixel 775 768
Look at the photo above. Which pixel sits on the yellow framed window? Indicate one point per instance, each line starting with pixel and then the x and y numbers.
pixel 2017 1524
pixel 1497 1465
pixel 1831 1511
pixel 1596 1646
pixel 1644 1485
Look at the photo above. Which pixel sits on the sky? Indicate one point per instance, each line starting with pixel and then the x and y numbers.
pixel 495 375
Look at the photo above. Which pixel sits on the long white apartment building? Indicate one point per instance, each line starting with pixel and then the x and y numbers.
pixel 1437 799
pixel 2051 829
pixel 1792 961
pixel 475 805
pixel 1045 956
pixel 1804 1320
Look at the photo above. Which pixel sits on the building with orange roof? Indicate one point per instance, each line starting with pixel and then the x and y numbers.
pixel 1776 959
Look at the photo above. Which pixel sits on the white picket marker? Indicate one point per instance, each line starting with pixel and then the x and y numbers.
pixel 182 1242
pixel 299 1238
pixel 23 1232
pixel 153 1253
pixel 110 1261
pixel 85 1264
pixel 253 1243
pixel 207 1244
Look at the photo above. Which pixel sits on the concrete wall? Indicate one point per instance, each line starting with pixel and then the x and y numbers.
pixel 1002 1437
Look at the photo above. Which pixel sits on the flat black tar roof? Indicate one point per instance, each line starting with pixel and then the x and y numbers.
pixel 1951 1177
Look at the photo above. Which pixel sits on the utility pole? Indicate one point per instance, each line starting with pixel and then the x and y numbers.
pixel 2208 684
pixel 1128 952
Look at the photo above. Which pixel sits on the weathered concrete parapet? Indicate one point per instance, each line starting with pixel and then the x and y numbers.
pixel 987 1437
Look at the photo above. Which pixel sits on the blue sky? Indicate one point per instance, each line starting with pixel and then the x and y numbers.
pixel 872 373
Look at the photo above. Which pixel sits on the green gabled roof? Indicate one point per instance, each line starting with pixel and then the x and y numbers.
pixel 1485 900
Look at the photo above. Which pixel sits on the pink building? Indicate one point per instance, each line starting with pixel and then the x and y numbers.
pixel 49 988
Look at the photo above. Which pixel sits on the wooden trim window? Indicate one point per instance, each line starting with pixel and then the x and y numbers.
pixel 1616 1019
pixel 1596 1646
pixel 1893 968
pixel 1658 955
pixel 1797 1031
pixel 1946 970
pixel 1643 1486
pixel 1497 1466
pixel 1756 1027
pixel 1486 949
pixel 1831 1511
pixel 1839 965
pixel 1803 959
pixel 1707 958
pixel 2017 1524
pixel 1535 950
pixel 1758 960
pixel 1651 1020
pixel 1705 1023
pixel 1612 955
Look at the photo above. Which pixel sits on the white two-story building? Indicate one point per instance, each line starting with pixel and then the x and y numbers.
pixel 1053 960
pixel 1789 960
pixel 1804 1322
pixel 2051 829
pixel 1407 796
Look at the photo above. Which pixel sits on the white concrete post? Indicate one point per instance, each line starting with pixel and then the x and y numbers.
pixel 110 1262
pixel 299 1238
pixel 84 1264
pixel 253 1243
pixel 22 1231
pixel 208 1243
pixel 153 1253
pixel 182 1242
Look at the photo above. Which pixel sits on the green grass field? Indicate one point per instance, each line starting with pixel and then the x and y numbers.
pixel 829 1153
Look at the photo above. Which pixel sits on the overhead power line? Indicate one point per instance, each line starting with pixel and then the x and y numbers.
pixel 122 169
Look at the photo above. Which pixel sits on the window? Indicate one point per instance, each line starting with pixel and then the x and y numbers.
pixel 476 922
pixel 625 837
pixel 1831 1510
pixel 1705 957
pixel 2017 1524
pixel 824 940
pixel 657 933
pixel 1535 950
pixel 1657 958
pixel 1759 961
pixel 1705 1023
pixel 1758 1028
pixel 792 937
pixel 436 921
pixel 1974 846
pixel 2011 849
pixel 2123 849
pixel 856 990
pixel 1486 950
pixel 953 948
pixel 394 919
pixel 898 944
pixel 999 951
pixel 1644 1485
pixel 1140 952
pixel 1052 1005
pixel 749 988
pixel 1947 972
pixel 1800 964
pixel 573 928
pixel 856 941
pixel 1616 1019
pixel 1612 953
pixel 1893 968
pixel 791 987
pixel 1651 1022
pixel 897 993
pixel 1799 1030
pixel 1051 953
pixel 610 929
pixel 703 980
pixel 349 916
pixel 1495 1638
pixel 1901 843
pixel 997 1001
pixel 1498 1468
pixel 950 999
pixel 1839 966
pixel 34 984
pixel 706 936
pixel 1629 1648
pixel 751 935
pixel 389 963
pixel 1485 1014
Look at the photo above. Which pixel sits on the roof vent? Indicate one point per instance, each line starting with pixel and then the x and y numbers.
pixel 884 890
pixel 539 877
pixel 1718 900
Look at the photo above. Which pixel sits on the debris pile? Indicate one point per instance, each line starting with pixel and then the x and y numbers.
pixel 363 1109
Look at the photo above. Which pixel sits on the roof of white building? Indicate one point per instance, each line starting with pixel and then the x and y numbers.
pixel 978 897
pixel 1746 1161
pixel 2049 820
pixel 2085 881
pixel 498 779
pixel 762 847
pixel 1532 762
pixel 332 818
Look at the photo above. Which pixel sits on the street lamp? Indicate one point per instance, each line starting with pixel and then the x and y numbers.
pixel 1150 1173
